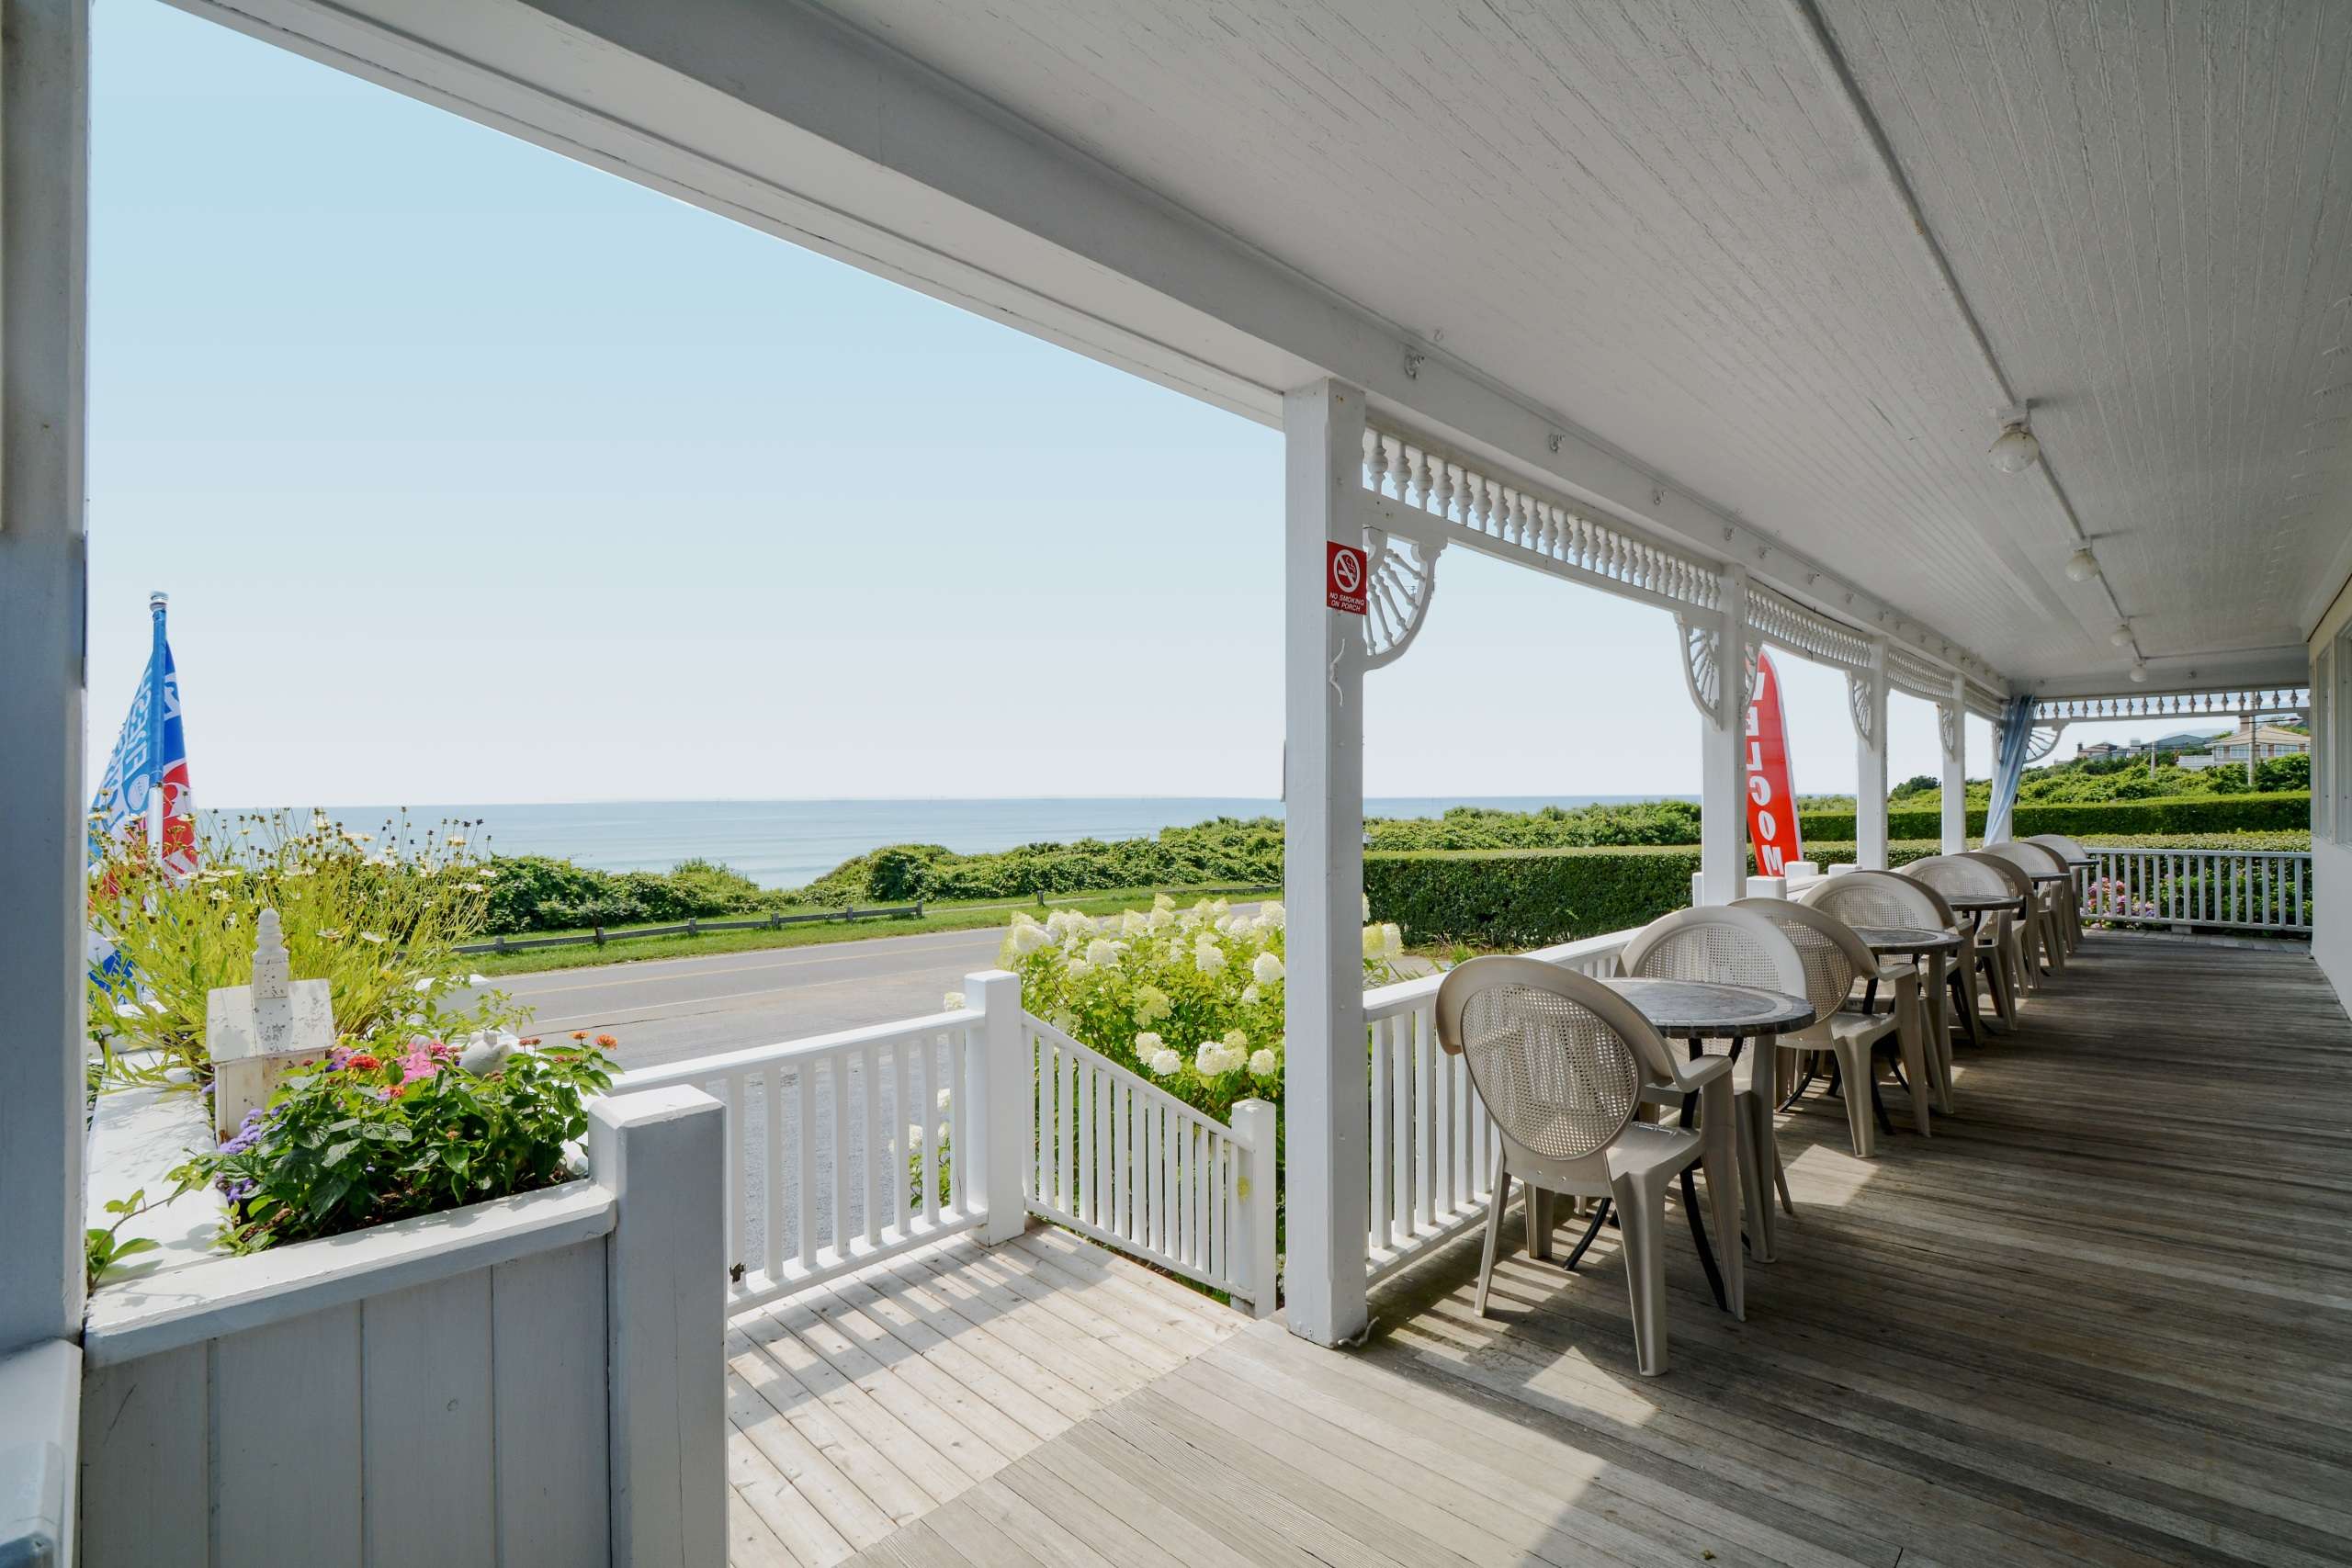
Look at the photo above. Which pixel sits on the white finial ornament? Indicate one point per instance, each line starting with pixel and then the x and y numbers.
pixel 254 1033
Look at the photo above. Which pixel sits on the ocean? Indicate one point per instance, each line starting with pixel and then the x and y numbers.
pixel 784 844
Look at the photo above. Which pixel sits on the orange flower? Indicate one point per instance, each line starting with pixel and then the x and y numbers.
pixel 606 1042
pixel 580 1034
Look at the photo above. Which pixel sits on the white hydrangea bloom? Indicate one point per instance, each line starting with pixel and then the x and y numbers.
pixel 1103 954
pixel 1267 968
pixel 1132 923
pixel 1392 942
pixel 1263 1064
pixel 1151 1004
pixel 1367 906
pixel 1078 969
pixel 1147 1045
pixel 1207 956
pixel 1372 941
pixel 1251 995
pixel 952 1003
pixel 1162 901
pixel 1215 1059
pixel 1160 919
pixel 1271 915
pixel 1027 936
pixel 1164 1061
pixel 1237 1041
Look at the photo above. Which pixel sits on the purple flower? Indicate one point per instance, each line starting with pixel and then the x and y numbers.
pixel 248 1133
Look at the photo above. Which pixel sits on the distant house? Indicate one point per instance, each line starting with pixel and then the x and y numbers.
pixel 2266 741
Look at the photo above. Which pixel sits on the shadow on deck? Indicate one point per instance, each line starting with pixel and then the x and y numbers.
pixel 2100 1317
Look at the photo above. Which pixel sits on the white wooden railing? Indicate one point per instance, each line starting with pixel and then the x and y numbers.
pixel 1122 1161
pixel 2263 890
pixel 848 1149
pixel 838 1147
pixel 1432 1144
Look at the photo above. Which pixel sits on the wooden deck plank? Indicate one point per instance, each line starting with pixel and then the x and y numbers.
pixel 2102 1319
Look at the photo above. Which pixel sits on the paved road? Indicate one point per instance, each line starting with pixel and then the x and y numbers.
pixel 672 1008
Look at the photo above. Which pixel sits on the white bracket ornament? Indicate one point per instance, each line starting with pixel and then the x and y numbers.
pixel 1702 665
pixel 2044 741
pixel 1857 703
pixel 1397 598
pixel 1948 725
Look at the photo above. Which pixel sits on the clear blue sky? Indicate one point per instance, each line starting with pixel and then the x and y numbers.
pixel 477 475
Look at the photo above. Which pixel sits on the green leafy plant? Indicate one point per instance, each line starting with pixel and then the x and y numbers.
pixel 364 1138
pixel 375 915
pixel 103 1246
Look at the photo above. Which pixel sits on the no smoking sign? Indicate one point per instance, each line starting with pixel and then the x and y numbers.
pixel 1343 578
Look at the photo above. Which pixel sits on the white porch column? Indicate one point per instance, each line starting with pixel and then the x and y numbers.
pixel 1723 753
pixel 1951 718
pixel 44 179
pixel 1866 695
pixel 1327 1099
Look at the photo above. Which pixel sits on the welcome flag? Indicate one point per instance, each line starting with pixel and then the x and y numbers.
pixel 148 772
pixel 1771 794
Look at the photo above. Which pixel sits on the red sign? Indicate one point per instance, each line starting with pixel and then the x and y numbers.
pixel 1343 578
pixel 1771 797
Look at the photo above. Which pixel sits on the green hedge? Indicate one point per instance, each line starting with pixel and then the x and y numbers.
pixel 2194 814
pixel 1505 899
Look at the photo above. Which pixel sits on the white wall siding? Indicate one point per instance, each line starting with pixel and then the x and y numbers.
pixel 532 1382
pixel 469 1412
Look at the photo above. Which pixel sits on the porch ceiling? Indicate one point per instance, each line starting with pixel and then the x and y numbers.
pixel 1668 224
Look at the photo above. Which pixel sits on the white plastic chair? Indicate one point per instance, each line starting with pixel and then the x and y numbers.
pixel 2051 924
pixel 1834 959
pixel 1883 898
pixel 1994 951
pixel 2025 928
pixel 1734 947
pixel 2071 854
pixel 1561 1062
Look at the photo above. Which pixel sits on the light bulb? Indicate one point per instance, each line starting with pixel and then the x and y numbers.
pixel 2139 673
pixel 2082 566
pixel 2015 449
pixel 2121 637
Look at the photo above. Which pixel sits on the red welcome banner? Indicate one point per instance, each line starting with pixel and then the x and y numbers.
pixel 1771 797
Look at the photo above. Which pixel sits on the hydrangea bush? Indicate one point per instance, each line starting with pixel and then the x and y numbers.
pixel 364 1137
pixel 1191 999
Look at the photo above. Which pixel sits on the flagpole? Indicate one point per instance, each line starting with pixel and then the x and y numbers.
pixel 152 819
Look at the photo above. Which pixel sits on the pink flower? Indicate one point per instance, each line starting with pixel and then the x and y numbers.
pixel 418 1065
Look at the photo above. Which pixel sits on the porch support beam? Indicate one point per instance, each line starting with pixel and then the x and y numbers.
pixel 1723 755
pixel 1951 719
pixel 1868 696
pixel 44 182
pixel 1326 1099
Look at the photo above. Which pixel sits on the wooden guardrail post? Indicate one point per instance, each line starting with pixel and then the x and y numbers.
pixel 1254 1125
pixel 999 1078
pixel 662 1152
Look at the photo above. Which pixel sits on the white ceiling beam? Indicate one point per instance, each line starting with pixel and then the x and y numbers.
pixel 780 116
pixel 2255 669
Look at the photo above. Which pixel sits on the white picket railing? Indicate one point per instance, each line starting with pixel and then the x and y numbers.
pixel 839 1147
pixel 2262 890
pixel 845 1150
pixel 1432 1144
pixel 1122 1160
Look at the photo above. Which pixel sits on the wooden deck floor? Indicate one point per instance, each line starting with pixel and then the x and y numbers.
pixel 859 1408
pixel 2104 1317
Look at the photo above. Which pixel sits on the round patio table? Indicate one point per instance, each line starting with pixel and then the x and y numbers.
pixel 1700 1010
pixel 1708 1010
